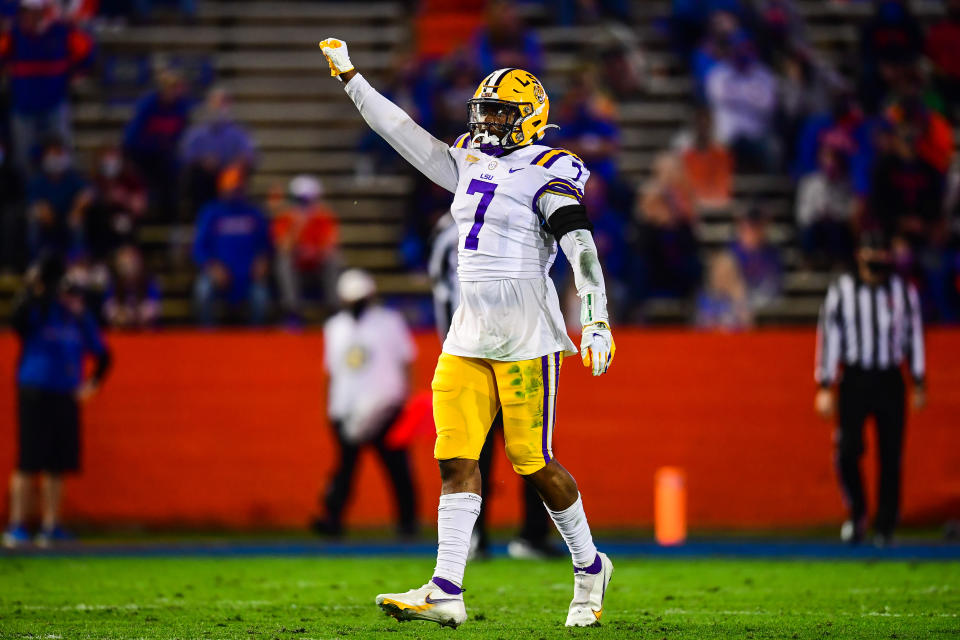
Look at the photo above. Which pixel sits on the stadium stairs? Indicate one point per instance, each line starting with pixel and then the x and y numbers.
pixel 264 53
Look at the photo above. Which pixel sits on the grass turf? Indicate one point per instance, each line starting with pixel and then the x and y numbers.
pixel 321 597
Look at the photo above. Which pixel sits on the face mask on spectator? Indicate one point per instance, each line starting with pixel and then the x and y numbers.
pixel 56 162
pixel 110 166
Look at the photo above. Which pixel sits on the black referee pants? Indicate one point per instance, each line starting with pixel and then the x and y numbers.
pixel 397 464
pixel 880 394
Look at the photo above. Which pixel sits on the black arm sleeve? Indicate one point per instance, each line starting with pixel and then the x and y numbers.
pixel 567 219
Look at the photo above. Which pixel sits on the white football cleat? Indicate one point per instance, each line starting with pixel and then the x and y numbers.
pixel 588 591
pixel 429 602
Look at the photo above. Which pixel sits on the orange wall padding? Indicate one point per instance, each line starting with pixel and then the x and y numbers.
pixel 228 429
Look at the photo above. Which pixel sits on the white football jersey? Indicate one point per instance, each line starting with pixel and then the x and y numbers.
pixel 509 308
pixel 498 212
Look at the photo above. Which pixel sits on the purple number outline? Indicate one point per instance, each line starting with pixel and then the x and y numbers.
pixel 487 189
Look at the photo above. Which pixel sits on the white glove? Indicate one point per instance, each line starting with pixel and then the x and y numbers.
pixel 337 56
pixel 597 347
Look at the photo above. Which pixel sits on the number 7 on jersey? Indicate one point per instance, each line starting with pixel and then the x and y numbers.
pixel 486 189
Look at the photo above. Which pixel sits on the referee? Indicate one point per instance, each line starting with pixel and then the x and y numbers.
pixel 533 539
pixel 870 326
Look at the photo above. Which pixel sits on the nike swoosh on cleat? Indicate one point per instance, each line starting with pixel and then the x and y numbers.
pixel 512 170
pixel 430 600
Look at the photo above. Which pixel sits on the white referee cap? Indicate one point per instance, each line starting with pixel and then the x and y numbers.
pixel 354 285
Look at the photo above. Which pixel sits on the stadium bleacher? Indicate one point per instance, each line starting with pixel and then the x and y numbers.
pixel 264 53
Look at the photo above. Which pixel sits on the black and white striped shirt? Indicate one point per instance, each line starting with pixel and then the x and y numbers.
pixel 871 327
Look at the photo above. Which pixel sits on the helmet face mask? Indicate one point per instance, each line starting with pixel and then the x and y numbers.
pixel 492 122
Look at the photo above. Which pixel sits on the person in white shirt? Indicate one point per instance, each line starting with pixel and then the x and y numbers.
pixel 368 351
pixel 742 94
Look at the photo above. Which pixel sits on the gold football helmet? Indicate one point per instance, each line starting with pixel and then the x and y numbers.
pixel 508 110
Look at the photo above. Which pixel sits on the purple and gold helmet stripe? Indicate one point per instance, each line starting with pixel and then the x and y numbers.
pixel 461 142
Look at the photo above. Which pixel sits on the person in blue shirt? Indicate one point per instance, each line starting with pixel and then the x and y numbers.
pixel 57 334
pixel 152 140
pixel 232 250
pixel 40 56
pixel 58 199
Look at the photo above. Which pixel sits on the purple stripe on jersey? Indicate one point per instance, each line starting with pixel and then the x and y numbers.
pixel 563 188
pixel 540 157
pixel 545 365
pixel 533 205
pixel 549 163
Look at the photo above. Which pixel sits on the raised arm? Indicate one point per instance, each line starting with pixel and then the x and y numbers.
pixel 427 154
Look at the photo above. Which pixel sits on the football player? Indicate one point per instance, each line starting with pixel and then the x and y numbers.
pixel 514 202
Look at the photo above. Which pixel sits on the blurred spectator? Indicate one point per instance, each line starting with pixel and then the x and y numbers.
pixel 368 354
pixel 707 164
pixel 717 47
pixel 58 199
pixel 758 258
pixel 232 251
pixel 144 8
pixel 943 49
pixel 890 39
pixel 572 12
pixel 689 20
pixel 8 11
pixel 12 227
pixel 152 138
pixel 907 192
pixel 119 204
pixel 56 335
pixel 825 208
pixel 623 70
pixel 742 95
pixel 807 89
pixel 40 56
pixel 504 41
pixel 779 27
pixel 305 238
pixel 723 303
pixel 932 134
pixel 845 125
pixel 212 145
pixel 665 259
pixel 133 299
pixel 587 121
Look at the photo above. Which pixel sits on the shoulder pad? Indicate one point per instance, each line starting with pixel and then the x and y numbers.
pixel 548 157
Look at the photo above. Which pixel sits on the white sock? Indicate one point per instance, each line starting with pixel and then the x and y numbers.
pixel 456 516
pixel 572 524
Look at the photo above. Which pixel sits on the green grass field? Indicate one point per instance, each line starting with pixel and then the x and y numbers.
pixel 322 597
